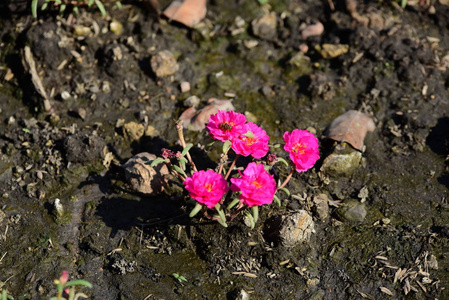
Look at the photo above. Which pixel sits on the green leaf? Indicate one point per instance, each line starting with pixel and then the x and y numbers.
pixel 276 199
pixel 404 3
pixel 179 170
pixel 78 295
pixel 255 210
pixel 226 146
pixel 34 8
pixel 90 3
pixel 277 146
pixel 58 1
pixel 119 4
pixel 251 219
pixel 156 161
pixel 283 161
pixel 44 6
pixel 186 149
pixel 101 7
pixel 220 212
pixel 62 8
pixel 249 134
pixel 76 11
pixel 220 221
pixel 210 144
pixel 79 282
pixel 233 203
pixel 183 164
pixel 285 190
pixel 195 210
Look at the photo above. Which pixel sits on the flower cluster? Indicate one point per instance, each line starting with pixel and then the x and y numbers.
pixel 254 186
pixel 246 138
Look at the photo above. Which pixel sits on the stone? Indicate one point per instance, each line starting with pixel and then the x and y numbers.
pixel 265 27
pixel 185 86
pixel 144 178
pixel 329 51
pixel 116 27
pixel 352 210
pixel 133 131
pixel 321 206
pixel 2 216
pixel 344 160
pixel 164 64
pixel 295 228
pixel 192 101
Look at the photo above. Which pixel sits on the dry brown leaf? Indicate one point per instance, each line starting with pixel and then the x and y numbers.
pixel 351 127
pixel 197 120
pixel 386 291
pixel 36 80
pixel 188 12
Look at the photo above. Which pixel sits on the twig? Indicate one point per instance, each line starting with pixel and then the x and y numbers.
pixel 180 128
pixel 287 179
pixel 232 166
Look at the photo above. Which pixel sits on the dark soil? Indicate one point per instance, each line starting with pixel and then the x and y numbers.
pixel 129 245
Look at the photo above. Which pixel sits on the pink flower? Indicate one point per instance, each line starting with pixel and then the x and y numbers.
pixel 225 125
pixel 206 187
pixel 257 186
pixel 254 142
pixel 64 277
pixel 303 148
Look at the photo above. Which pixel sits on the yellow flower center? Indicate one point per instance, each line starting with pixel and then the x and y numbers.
pixel 249 141
pixel 208 187
pixel 257 184
pixel 299 148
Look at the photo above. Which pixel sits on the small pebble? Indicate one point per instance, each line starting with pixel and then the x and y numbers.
pixel 192 101
pixel 65 95
pixel 185 86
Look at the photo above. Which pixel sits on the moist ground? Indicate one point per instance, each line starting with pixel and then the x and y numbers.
pixel 129 245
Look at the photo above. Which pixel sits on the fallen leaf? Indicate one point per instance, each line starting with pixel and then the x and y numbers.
pixel 196 120
pixel 188 12
pixel 351 127
pixel 386 291
pixel 30 65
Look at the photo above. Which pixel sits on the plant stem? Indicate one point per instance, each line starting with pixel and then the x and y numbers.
pixel 223 160
pixel 169 165
pixel 180 128
pixel 287 179
pixel 239 209
pixel 209 216
pixel 232 166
